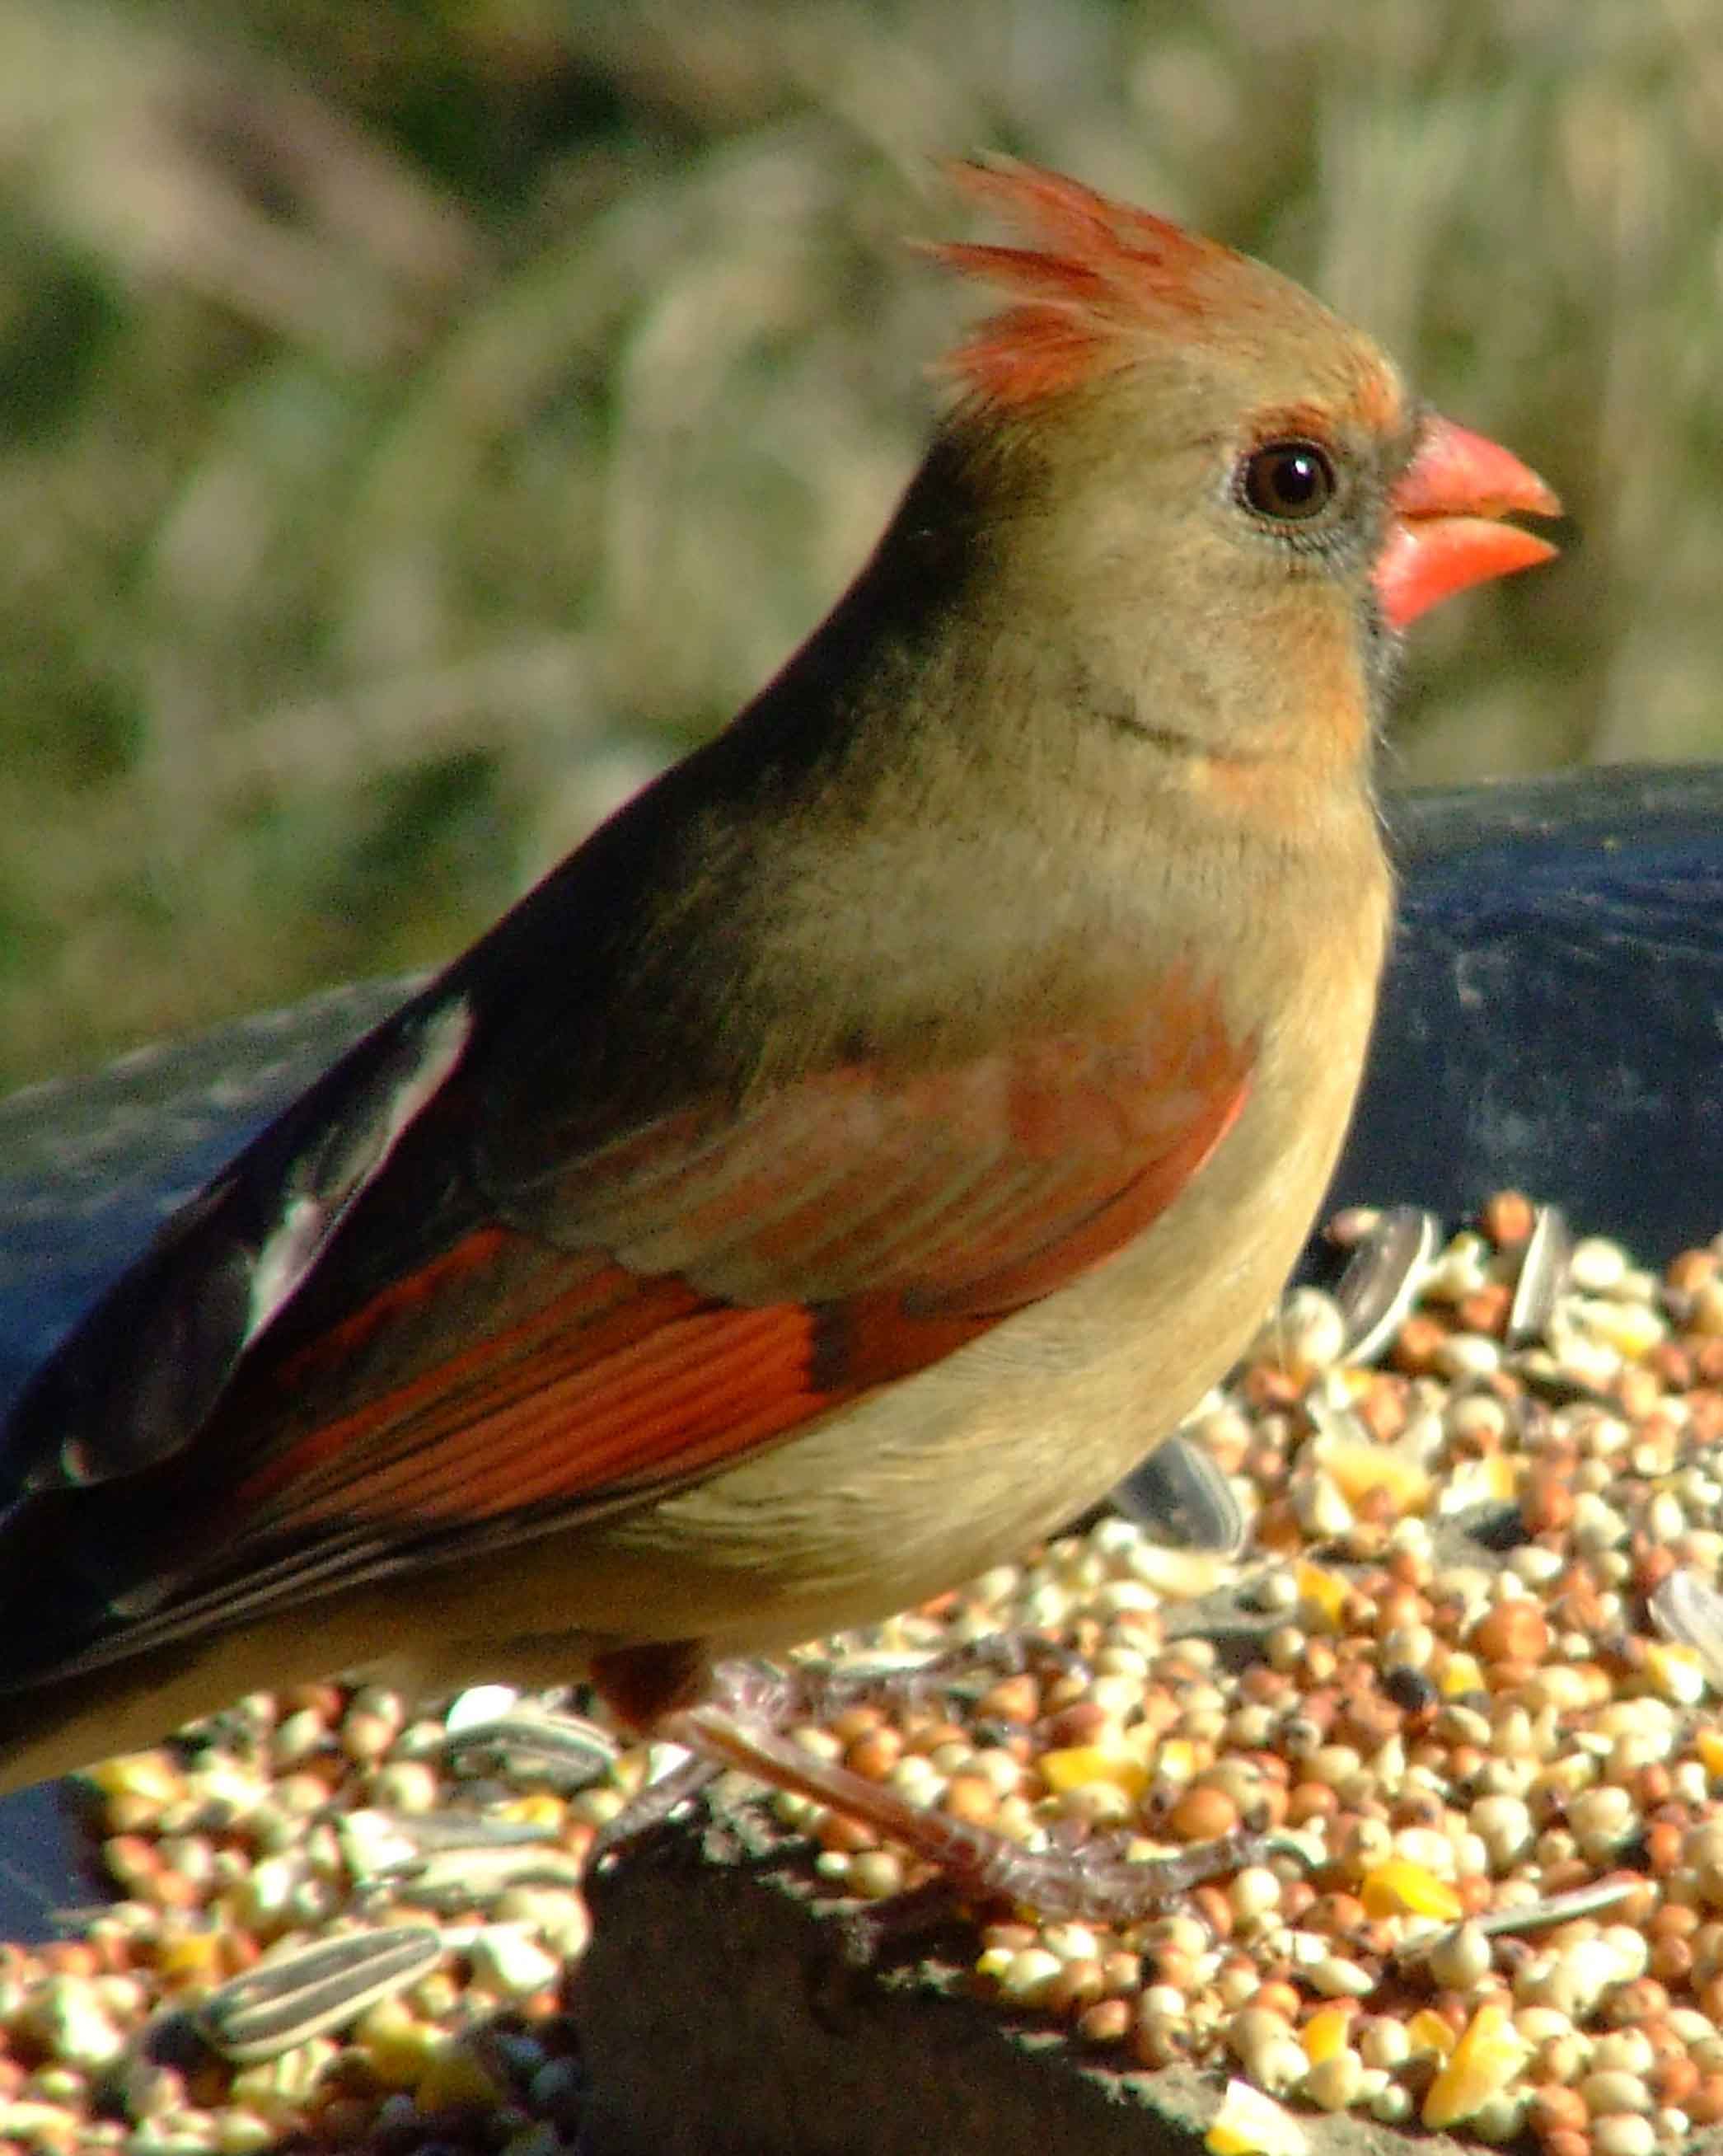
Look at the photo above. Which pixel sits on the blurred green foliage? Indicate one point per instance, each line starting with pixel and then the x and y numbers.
pixel 418 419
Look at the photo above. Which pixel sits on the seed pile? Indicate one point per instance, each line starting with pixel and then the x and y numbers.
pixel 310 1864
pixel 1501 1904
pixel 1466 1669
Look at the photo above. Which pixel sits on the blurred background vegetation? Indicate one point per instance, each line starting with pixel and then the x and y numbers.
pixel 418 419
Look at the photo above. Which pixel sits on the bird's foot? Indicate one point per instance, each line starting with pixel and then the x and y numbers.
pixel 738 1715
pixel 977 1865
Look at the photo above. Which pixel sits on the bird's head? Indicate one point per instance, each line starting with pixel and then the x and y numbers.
pixel 1189 438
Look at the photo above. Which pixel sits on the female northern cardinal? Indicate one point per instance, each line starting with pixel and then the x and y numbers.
pixel 841 1168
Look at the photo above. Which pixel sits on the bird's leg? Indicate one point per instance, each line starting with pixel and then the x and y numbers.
pixel 641 1685
pixel 733 1716
pixel 649 1687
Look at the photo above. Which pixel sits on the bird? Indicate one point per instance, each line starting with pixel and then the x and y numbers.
pixel 837 1172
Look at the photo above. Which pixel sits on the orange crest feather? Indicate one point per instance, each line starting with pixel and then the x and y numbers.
pixel 1103 270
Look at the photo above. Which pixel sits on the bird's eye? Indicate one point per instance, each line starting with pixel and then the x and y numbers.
pixel 1290 481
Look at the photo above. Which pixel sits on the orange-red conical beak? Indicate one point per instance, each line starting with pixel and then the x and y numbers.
pixel 1445 532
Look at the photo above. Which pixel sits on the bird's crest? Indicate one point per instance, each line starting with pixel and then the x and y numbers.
pixel 1103 273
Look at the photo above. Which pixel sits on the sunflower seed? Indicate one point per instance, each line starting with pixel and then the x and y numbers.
pixel 381 1844
pixel 1543 1275
pixel 1382 1277
pixel 1529 1916
pixel 473 1878
pixel 1685 1609
pixel 1181 1495
pixel 564 1749
pixel 282 2002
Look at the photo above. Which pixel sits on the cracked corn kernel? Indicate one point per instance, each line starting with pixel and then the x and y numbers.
pixel 1325 2033
pixel 1400 1887
pixel 1489 2053
pixel 1249 2123
pixel 1322 1596
pixel 1080 1765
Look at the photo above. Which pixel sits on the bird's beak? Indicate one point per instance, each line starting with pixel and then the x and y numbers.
pixel 1445 532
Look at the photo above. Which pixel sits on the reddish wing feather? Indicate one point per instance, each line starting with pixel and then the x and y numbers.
pixel 725 1279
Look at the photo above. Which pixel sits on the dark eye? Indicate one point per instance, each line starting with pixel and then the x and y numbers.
pixel 1290 481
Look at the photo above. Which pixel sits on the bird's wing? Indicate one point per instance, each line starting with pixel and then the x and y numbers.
pixel 242 1423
